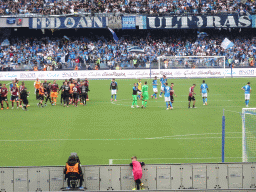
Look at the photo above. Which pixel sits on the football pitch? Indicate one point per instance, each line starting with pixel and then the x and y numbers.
pixel 104 130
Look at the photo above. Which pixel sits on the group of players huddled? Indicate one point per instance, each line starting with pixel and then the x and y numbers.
pixel 19 95
pixel 72 91
pixel 141 92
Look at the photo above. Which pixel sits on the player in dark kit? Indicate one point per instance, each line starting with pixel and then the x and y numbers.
pixel 84 91
pixel 191 96
pixel 47 92
pixel 62 93
pixel 24 97
pixel 4 92
pixel 45 84
pixel 20 90
pixel 14 96
pixel 76 91
pixel 172 93
pixel 87 84
pixel 66 94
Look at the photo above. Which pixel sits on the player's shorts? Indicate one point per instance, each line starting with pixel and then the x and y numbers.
pixel 191 98
pixel 145 96
pixel 167 99
pixel 204 94
pixel 40 97
pixel 162 88
pixel 139 92
pixel 172 99
pixel 247 96
pixel 25 101
pixel 4 99
pixel 113 92
pixel 54 94
pixel 75 95
pixel 83 96
pixel 155 90
pixel 134 97
pixel 14 98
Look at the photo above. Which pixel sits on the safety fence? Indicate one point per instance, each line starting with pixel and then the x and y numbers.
pixel 188 177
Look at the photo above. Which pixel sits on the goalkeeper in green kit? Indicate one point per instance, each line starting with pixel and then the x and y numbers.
pixel 144 95
pixel 134 95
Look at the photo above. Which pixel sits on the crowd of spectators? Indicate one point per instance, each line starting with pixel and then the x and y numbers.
pixel 101 51
pixel 59 7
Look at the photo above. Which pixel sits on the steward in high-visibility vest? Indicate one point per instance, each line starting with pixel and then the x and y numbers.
pixel 73 168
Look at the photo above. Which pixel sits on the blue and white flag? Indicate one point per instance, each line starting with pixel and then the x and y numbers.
pixel 114 34
pixel 6 42
pixel 201 34
pixel 66 37
pixel 226 44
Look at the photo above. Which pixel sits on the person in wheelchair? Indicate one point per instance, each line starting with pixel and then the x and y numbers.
pixel 73 170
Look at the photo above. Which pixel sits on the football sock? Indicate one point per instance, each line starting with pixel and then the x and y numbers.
pixel 203 99
pixel 142 102
pixel 161 93
pixel 171 104
pixel 112 96
pixel 115 96
pixel 206 99
pixel 12 104
pixel 135 102
pixel 167 104
pixel 7 105
pixel 245 102
pixel 189 105
pixel 193 106
pixel 146 103
pixel 154 95
pixel 139 96
pixel 25 107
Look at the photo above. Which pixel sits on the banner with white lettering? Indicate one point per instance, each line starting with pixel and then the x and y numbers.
pixel 129 74
pixel 67 22
pixel 199 21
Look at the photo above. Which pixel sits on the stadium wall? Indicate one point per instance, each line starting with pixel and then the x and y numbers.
pixel 190 177
pixel 132 74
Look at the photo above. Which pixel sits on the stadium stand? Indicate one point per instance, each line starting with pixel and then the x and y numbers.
pixel 60 7
pixel 85 51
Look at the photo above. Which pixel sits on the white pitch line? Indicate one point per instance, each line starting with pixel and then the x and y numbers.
pixel 179 158
pixel 127 139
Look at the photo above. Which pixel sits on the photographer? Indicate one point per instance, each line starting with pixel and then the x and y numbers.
pixel 73 168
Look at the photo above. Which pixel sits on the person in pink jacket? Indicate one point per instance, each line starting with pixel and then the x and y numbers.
pixel 137 172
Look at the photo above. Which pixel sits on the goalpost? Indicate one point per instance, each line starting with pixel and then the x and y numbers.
pixel 170 62
pixel 249 134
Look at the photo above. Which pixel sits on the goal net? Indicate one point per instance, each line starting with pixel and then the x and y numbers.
pixel 170 62
pixel 249 134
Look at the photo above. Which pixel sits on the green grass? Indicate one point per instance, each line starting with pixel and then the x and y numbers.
pixel 105 130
